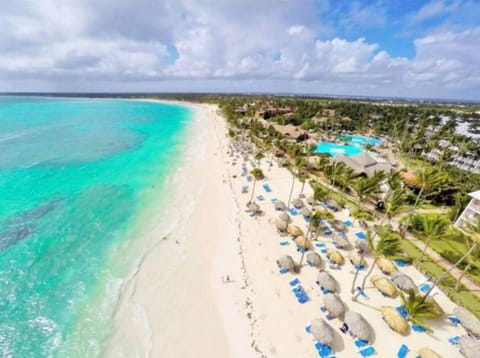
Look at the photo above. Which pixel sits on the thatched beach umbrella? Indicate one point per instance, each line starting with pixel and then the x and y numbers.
pixel 284 217
pixel 334 304
pixel 403 281
pixel 298 203
pixel 306 212
pixel 386 265
pixel 314 259
pixel 357 260
pixel 333 204
pixel 338 225
pixel 303 242
pixel 395 320
pixel 362 246
pixel 294 230
pixel 341 242
pixel 468 320
pixel 281 225
pixel 357 325
pixel 384 285
pixel 469 347
pixel 280 205
pixel 427 353
pixel 286 262
pixel 325 280
pixel 321 331
pixel 254 208
pixel 335 257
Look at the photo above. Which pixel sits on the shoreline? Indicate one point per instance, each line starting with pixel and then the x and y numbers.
pixel 190 303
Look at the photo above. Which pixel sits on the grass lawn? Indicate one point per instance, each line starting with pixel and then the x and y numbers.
pixel 464 296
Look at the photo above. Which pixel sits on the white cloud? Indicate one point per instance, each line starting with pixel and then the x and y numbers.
pixel 267 45
pixel 435 8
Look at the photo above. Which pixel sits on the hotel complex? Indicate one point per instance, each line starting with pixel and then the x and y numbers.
pixel 471 214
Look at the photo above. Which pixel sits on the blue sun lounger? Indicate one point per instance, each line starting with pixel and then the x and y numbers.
pixel 323 349
pixel 293 211
pixel 284 243
pixel 424 288
pixel 454 320
pixel 320 244
pixel 418 328
pixel 362 293
pixel 454 340
pixel 308 329
pixel 401 263
pixel 260 197
pixel 283 270
pixel 403 312
pixel 367 352
pixel 359 343
pixel 347 223
pixel 267 188
pixel 361 235
pixel 403 351
pixel 294 282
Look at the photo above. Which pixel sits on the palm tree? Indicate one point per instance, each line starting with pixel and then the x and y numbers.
pixel 434 227
pixel 473 231
pixel 470 261
pixel 427 179
pixel 386 246
pixel 258 157
pixel 297 165
pixel 394 203
pixel 257 175
pixel 418 309
pixel 364 188
pixel 322 216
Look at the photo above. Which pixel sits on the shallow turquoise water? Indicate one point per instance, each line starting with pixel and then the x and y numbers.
pixel 74 175
pixel 333 149
pixel 359 139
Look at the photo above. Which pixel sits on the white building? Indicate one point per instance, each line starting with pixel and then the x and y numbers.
pixel 471 214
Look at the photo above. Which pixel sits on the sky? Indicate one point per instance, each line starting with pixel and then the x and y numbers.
pixel 399 48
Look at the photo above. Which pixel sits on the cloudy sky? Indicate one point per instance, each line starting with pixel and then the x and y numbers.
pixel 386 47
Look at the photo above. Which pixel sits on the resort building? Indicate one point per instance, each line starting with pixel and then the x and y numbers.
pixel 364 163
pixel 471 214
pixel 290 131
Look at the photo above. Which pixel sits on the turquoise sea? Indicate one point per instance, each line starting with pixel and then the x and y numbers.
pixel 74 176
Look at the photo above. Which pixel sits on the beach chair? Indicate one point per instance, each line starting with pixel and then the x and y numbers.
pixel 294 282
pixel 361 235
pixel 284 243
pixel 260 198
pixel 367 352
pixel 418 328
pixel 454 320
pixel 348 223
pixel 273 200
pixel 293 211
pixel 323 309
pixel 283 270
pixel 403 312
pixel 320 244
pixel 308 329
pixel 360 343
pixel 401 263
pixel 362 293
pixel 267 188
pixel 454 340
pixel 244 189
pixel 323 349
pixel 424 287
pixel 403 351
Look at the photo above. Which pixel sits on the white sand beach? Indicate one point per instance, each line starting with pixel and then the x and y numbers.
pixel 180 304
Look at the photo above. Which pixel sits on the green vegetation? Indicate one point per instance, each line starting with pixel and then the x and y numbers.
pixel 407 130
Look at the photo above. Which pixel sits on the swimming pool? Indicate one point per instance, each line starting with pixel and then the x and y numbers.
pixel 359 139
pixel 333 149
